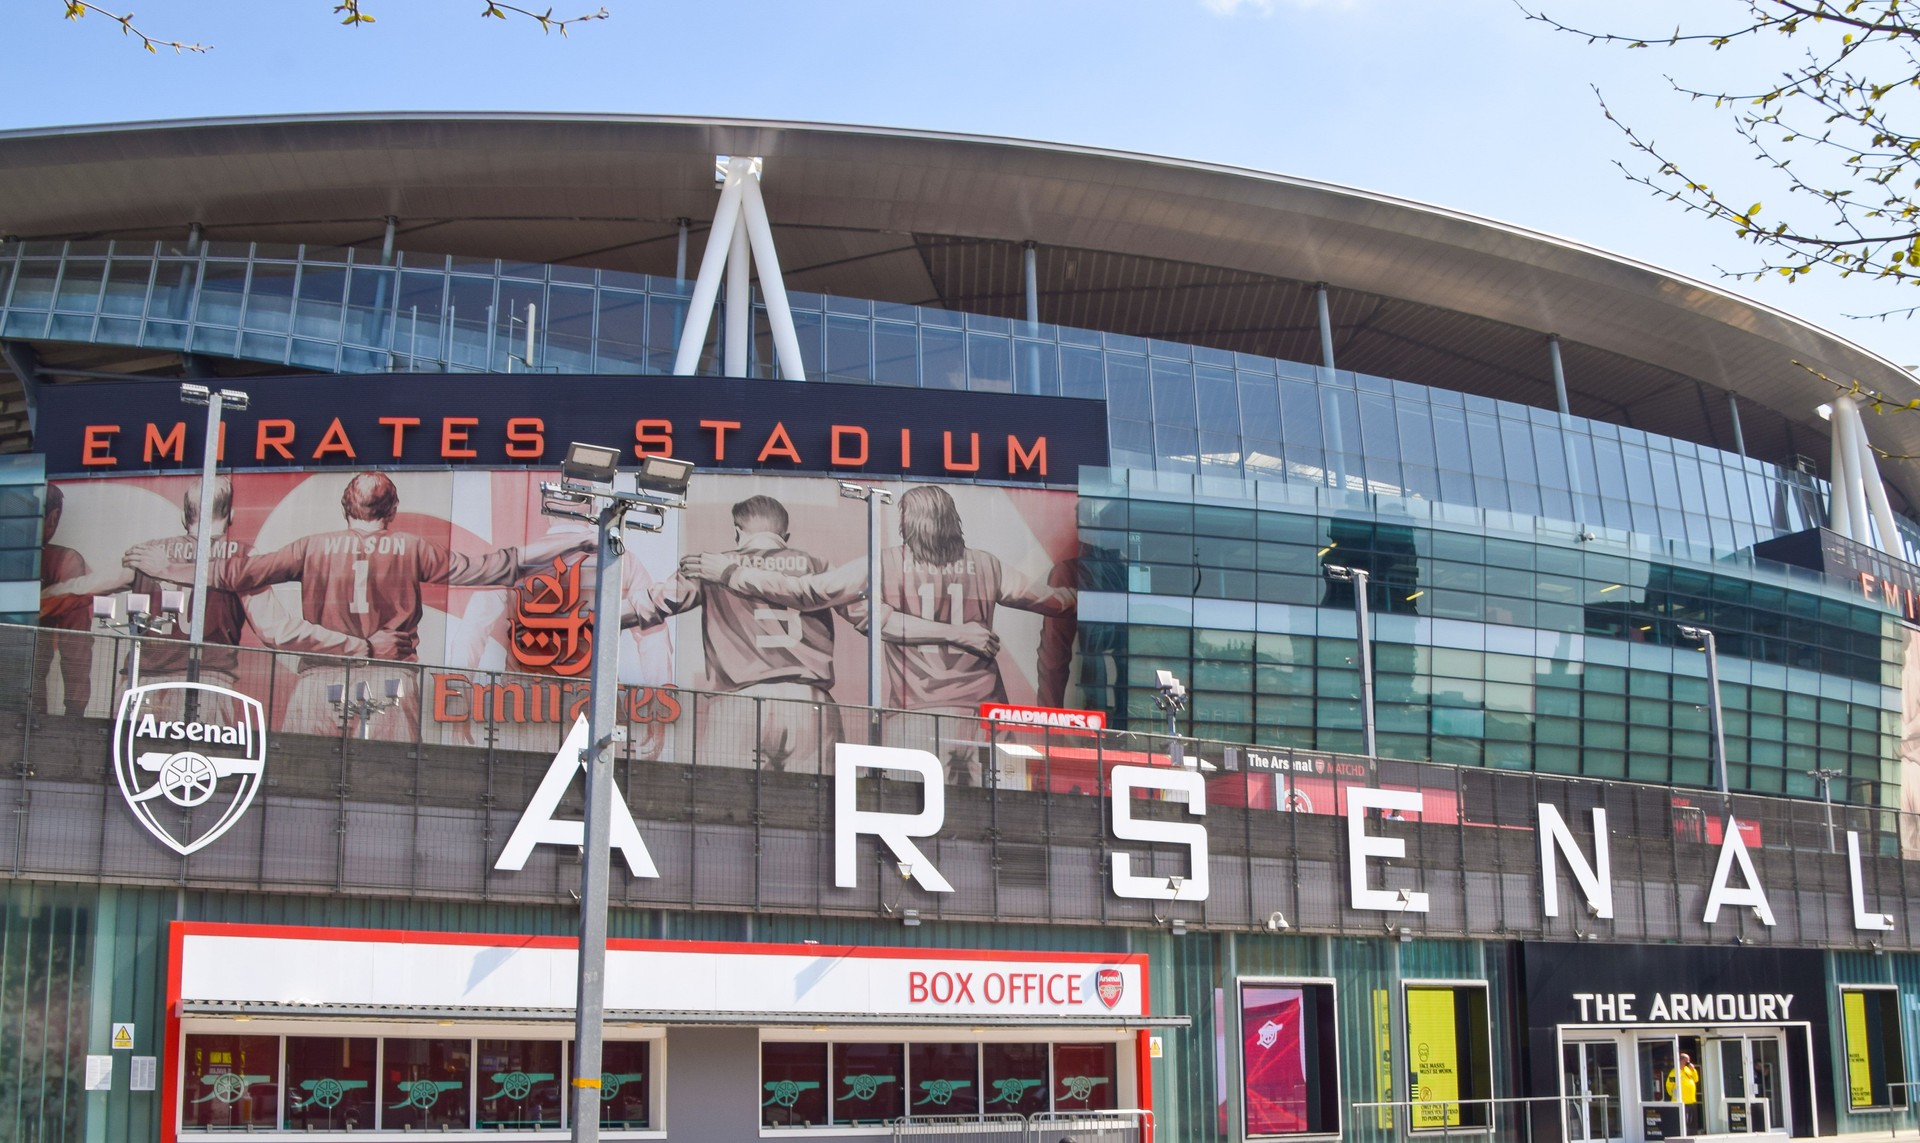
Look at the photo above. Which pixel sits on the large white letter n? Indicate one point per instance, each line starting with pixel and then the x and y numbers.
pixel 894 830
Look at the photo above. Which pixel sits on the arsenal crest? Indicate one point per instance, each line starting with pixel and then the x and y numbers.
pixel 188 757
pixel 1108 985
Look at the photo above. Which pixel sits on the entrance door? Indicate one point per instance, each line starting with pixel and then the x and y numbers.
pixel 1592 1084
pixel 1745 1094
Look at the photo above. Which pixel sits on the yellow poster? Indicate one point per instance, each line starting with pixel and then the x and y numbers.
pixel 1853 1006
pixel 1433 1040
pixel 1383 1057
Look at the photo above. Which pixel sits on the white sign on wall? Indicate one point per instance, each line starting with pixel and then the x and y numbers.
pixel 664 977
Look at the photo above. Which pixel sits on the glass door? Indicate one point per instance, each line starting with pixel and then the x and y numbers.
pixel 1592 1083
pixel 1744 1090
pixel 1669 1079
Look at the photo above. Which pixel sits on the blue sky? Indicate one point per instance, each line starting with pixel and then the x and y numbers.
pixel 1461 103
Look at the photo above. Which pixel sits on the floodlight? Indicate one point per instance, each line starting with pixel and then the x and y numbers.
pixel 906 870
pixel 594 464
pixel 664 474
pixel 395 688
pixel 336 692
pixel 173 602
pixel 1339 572
pixel 139 603
pixel 234 399
pixel 910 918
pixel 1179 927
pixel 105 607
pixel 194 394
pixel 1175 882
pixel 853 491
pixel 1697 634
pixel 361 692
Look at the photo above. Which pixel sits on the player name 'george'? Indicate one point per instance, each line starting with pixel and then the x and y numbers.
pixel 211 732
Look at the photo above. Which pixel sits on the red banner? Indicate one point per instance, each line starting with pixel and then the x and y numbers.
pixel 1273 1046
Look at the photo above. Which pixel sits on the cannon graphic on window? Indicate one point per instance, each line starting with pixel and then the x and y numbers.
pixel 610 1084
pixel 229 1087
pixel 939 1091
pixel 863 1086
pixel 1080 1087
pixel 786 1093
pixel 325 1092
pixel 423 1094
pixel 515 1085
pixel 1012 1090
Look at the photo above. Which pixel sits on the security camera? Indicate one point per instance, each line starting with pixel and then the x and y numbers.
pixel 1277 922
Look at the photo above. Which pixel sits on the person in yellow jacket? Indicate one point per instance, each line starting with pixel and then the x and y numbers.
pixel 1683 1085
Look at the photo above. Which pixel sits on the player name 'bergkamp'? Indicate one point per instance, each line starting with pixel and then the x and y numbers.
pixel 209 732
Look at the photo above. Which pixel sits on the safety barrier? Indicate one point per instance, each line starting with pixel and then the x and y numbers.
pixel 1127 1125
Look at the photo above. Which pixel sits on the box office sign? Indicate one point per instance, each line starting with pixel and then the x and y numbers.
pixel 482 421
pixel 316 967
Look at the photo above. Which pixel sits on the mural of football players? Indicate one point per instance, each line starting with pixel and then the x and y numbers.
pixel 165 656
pixel 758 650
pixel 361 580
pixel 63 610
pixel 932 575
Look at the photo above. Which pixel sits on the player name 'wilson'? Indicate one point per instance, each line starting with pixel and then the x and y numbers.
pixel 209 732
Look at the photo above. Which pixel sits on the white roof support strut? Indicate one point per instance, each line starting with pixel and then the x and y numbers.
pixel 740 236
pixel 1859 499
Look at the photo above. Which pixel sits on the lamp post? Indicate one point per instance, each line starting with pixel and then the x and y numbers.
pixel 1170 695
pixel 1825 776
pixel 586 492
pixel 874 497
pixel 1339 573
pixel 140 621
pixel 1711 646
pixel 216 401
pixel 364 706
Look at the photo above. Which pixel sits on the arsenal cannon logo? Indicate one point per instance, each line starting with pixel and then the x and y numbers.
pixel 188 757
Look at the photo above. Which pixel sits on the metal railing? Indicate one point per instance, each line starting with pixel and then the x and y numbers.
pixel 1122 1125
pixel 1515 1126
pixel 734 796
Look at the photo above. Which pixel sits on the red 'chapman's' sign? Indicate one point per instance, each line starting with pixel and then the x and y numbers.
pixel 1048 717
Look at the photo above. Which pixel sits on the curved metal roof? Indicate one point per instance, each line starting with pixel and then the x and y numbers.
pixel 1189 251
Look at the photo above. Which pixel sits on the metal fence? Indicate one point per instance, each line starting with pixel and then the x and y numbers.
pixel 733 794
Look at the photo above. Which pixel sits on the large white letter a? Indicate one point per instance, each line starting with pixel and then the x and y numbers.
pixel 537 825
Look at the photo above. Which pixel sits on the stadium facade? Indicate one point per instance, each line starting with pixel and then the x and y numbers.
pixel 1508 856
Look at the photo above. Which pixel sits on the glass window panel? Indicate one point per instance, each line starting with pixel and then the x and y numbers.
pixel 1084 1077
pixel 269 297
pixel 519 1083
pixel 896 352
pixel 1379 434
pixel 231 1082
pixel 1484 450
pixel 1516 444
pixel 33 285
pixel 567 333
pixel 793 1079
pixel 1300 408
pixel 989 364
pixel 1260 408
pixel 470 301
pixel 221 293
pixel 369 298
pixel 330 1083
pixel 1016 1078
pixel 1173 401
pixel 943 358
pixel 425 1084
pixel 666 317
pixel 945 1079
pixel 621 346
pixel 1219 400
pixel 519 302
pixel 80 286
pixel 626 1083
pixel 317 309
pixel 1416 435
pixel 869 1082
pixel 1550 454
pixel 1035 368
pixel 1178 449
pixel 1082 373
